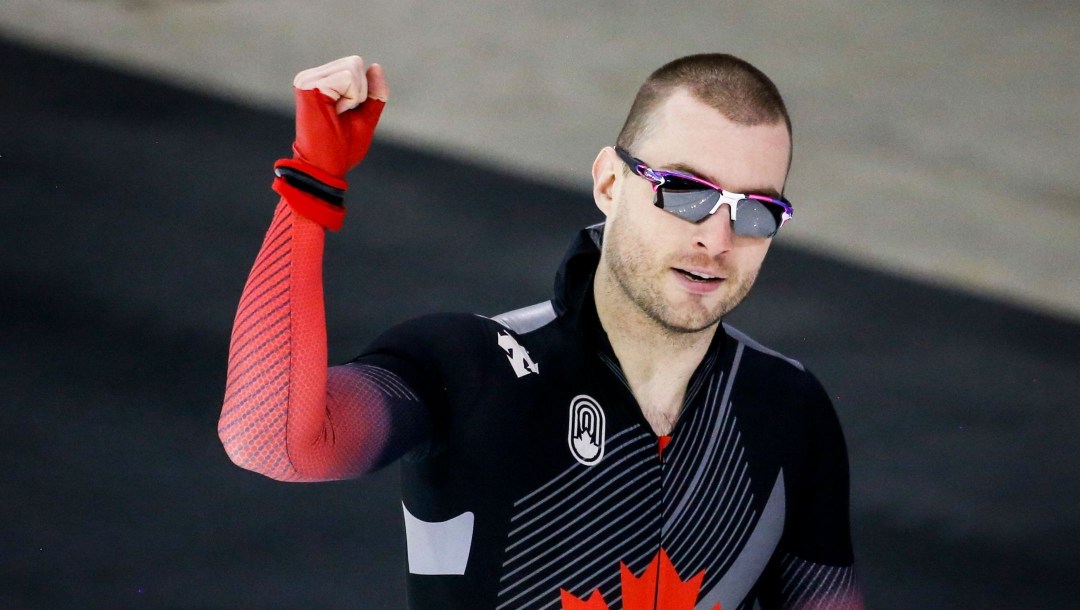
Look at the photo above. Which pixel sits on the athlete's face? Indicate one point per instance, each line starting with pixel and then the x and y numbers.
pixel 681 275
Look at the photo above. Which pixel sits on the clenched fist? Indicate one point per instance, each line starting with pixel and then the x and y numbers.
pixel 337 107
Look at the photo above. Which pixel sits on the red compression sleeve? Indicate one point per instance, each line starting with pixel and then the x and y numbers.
pixel 284 415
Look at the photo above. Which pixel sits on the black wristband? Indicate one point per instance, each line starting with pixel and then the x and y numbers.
pixel 308 184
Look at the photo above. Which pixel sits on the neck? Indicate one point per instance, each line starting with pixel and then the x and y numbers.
pixel 656 360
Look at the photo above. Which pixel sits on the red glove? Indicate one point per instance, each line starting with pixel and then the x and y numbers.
pixel 332 142
pixel 337 108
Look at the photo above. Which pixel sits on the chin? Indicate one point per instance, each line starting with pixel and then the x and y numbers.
pixel 684 316
pixel 688 322
pixel 693 315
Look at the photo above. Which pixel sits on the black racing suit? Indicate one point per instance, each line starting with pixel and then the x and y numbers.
pixel 541 485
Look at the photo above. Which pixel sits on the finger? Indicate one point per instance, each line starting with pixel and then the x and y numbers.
pixel 376 82
pixel 357 76
pixel 356 68
pixel 353 96
pixel 306 78
pixel 343 88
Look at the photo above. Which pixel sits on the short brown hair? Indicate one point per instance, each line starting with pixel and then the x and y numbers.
pixel 738 90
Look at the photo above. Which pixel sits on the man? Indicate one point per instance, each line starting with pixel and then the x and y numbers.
pixel 615 447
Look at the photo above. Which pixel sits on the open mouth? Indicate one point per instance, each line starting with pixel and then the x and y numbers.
pixel 699 277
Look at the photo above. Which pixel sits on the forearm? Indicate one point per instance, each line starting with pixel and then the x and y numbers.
pixel 275 394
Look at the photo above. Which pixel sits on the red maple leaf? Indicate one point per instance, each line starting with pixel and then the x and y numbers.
pixel 658 588
pixel 571 601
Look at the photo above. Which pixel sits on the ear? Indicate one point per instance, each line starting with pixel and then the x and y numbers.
pixel 604 173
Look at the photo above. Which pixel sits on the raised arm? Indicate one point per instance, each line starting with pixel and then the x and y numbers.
pixel 285 414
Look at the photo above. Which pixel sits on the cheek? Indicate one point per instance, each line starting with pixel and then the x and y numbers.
pixel 634 192
pixel 637 205
pixel 624 215
pixel 643 230
pixel 629 242
pixel 751 252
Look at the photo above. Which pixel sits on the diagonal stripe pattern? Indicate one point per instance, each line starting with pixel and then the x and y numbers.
pixel 710 510
pixel 814 586
pixel 574 531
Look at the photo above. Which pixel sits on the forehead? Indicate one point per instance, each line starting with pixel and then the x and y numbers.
pixel 746 158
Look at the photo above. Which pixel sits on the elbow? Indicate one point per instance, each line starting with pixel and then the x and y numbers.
pixel 245 452
pixel 237 450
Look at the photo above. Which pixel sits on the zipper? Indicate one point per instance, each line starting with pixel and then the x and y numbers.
pixel 662 441
pixel 660 505
pixel 660 445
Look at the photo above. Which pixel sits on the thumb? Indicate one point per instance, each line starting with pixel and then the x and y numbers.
pixel 376 81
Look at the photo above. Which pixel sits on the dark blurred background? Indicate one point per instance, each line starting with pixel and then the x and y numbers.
pixel 135 206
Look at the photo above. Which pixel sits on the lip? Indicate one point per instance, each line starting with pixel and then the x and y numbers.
pixel 697 287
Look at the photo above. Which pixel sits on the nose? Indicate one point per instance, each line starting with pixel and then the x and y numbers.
pixel 715 234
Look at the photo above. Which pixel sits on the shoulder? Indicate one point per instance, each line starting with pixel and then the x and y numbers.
pixel 434 336
pixel 749 343
pixel 455 339
pixel 527 319
pixel 786 380
pixel 793 414
pixel 439 356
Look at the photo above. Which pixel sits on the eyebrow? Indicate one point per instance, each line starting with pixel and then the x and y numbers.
pixel 767 191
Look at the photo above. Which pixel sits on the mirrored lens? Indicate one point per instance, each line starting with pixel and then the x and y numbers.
pixel 755 218
pixel 691 204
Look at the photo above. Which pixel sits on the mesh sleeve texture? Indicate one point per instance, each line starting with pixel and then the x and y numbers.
pixel 805 585
pixel 286 414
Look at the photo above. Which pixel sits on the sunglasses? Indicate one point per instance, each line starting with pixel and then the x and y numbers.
pixel 694 200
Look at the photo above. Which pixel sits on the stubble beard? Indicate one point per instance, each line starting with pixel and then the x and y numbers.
pixel 641 282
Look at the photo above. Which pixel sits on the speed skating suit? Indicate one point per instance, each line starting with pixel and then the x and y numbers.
pixel 530 477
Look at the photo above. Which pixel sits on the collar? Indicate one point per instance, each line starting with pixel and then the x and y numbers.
pixel 573 302
pixel 573 281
